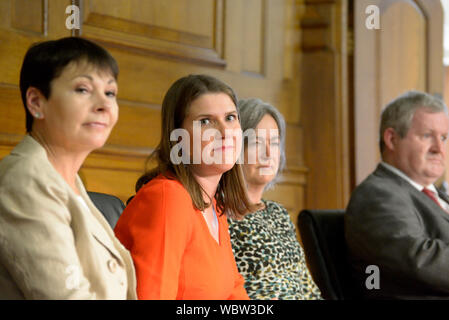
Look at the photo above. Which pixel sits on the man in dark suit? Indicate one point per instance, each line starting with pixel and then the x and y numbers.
pixel 396 220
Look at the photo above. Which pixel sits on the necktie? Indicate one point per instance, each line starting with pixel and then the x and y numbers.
pixel 431 195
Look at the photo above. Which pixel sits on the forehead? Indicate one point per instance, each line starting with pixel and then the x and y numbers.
pixel 211 103
pixel 83 67
pixel 267 122
pixel 423 119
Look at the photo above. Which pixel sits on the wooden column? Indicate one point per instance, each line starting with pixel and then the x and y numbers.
pixel 324 103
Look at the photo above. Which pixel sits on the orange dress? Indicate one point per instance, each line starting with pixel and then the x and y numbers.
pixel 174 254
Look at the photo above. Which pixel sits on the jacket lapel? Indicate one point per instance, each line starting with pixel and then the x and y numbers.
pixel 99 227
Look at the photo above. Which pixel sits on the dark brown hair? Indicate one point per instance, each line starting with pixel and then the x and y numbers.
pixel 231 196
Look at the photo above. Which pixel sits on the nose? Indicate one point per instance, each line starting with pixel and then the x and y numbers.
pixel 268 149
pixel 221 130
pixel 438 145
pixel 221 133
pixel 263 152
pixel 102 102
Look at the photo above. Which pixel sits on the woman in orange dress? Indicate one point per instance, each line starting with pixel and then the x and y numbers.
pixel 176 227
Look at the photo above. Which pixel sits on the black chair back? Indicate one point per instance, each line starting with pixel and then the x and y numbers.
pixel 322 235
pixel 129 199
pixel 110 206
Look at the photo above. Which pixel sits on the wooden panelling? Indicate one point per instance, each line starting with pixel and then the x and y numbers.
pixel 12 120
pixel 234 44
pixel 253 36
pixel 31 20
pixel 274 24
pixel 434 42
pixel 401 50
pixel 5 14
pixel 11 55
pixel 166 20
pixel 294 144
pixel 57 17
pixel 139 126
pixel 156 27
pixel 324 103
pixel 292 38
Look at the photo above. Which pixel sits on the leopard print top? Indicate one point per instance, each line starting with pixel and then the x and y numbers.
pixel 269 256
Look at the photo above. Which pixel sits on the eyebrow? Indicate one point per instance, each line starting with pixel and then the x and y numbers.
pixel 112 80
pixel 271 137
pixel 209 115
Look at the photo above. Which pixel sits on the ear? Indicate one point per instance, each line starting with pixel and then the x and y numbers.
pixel 35 101
pixel 390 138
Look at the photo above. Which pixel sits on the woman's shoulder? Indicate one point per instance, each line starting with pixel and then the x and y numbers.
pixel 165 181
pixel 160 198
pixel 276 211
pixel 27 165
pixel 273 206
pixel 29 181
pixel 164 186
pixel 270 208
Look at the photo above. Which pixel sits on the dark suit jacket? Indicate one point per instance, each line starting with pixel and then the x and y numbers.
pixel 391 224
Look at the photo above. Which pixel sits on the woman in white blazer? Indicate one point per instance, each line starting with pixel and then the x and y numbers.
pixel 54 243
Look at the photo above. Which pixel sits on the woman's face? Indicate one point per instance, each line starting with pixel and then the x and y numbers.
pixel 215 133
pixel 262 153
pixel 82 108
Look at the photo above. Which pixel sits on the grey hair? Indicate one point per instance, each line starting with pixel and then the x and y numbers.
pixel 251 113
pixel 398 114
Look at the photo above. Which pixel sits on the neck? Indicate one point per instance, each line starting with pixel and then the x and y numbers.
pixel 66 162
pixel 209 183
pixel 416 180
pixel 255 192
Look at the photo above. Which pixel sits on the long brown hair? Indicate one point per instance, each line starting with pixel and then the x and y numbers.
pixel 231 195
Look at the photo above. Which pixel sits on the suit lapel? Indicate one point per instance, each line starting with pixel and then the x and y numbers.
pixel 445 198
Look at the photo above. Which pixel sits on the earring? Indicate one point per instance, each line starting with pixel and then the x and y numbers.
pixel 37 115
